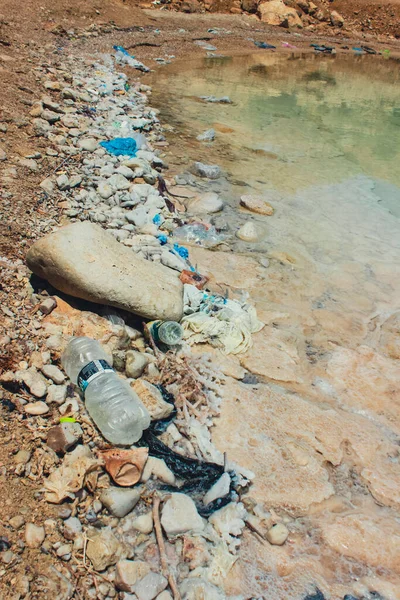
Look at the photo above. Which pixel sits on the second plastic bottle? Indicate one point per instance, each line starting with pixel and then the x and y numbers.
pixel 112 404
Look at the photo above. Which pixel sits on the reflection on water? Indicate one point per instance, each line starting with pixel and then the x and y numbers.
pixel 321 136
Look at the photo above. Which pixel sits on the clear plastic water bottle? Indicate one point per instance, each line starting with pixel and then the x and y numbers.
pixel 112 404
pixel 169 333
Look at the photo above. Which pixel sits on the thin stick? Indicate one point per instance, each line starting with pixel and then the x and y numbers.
pixel 161 547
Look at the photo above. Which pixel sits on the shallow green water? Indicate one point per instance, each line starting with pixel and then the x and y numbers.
pixel 296 120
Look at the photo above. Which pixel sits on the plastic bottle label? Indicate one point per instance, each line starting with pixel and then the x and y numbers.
pixel 91 371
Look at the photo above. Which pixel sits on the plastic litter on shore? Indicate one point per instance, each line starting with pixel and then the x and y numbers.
pixel 121 146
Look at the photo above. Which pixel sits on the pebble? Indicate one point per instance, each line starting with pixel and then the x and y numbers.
pixel 50 116
pixel 75 180
pixel 54 373
pixel 248 232
pixel 152 399
pixel 165 596
pixel 62 182
pixel 218 490
pixel 150 586
pixel 49 304
pixel 207 171
pixel 63 436
pixel 29 163
pixel 105 190
pixel 119 502
pixel 103 548
pixel 136 362
pixel 3 155
pixel 47 185
pixel 179 515
pixel 207 203
pixel 207 136
pixel 278 534
pixel 64 551
pixel 36 408
pixel 17 521
pixel 158 468
pixel 34 535
pixel 34 381
pixel 129 572
pixel 119 182
pixel 22 457
pixel 144 523
pixel 88 144
pixel 56 393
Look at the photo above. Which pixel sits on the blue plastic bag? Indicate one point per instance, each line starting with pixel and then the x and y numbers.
pixel 121 146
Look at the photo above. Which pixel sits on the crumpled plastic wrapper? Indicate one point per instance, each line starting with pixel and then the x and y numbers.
pixel 223 323
pixel 79 468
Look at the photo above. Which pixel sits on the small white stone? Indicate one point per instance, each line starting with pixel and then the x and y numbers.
pixel 34 535
pixel 22 457
pixel 119 182
pixel 54 373
pixel 88 144
pixel 248 232
pixel 120 501
pixel 144 523
pixel 72 527
pixel 64 551
pixel 47 185
pixel 164 596
pixel 56 393
pixel 218 490
pixel 104 190
pixel 62 182
pixel 278 534
pixel 179 515
pixel 36 408
pixel 34 381
pixel 136 363
pixel 158 468
pixel 125 171
pixel 207 203
pixel 48 305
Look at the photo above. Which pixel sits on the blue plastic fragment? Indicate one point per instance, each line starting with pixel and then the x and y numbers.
pixel 121 146
pixel 358 50
pixel 264 45
pixel 122 49
pixel 183 252
pixel 157 219
pixel 163 239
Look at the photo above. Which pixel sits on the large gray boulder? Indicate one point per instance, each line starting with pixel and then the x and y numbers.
pixel 84 261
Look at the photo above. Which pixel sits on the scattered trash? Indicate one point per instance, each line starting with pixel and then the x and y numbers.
pixel 125 466
pixel 193 278
pixel 79 468
pixel 322 48
pixel 205 45
pixel 199 476
pixel 199 234
pixel 226 324
pixel 287 45
pixel 107 396
pixel 122 57
pixel 358 50
pixel 386 53
pixel 265 45
pixel 121 146
pixel 369 50
pixel 215 100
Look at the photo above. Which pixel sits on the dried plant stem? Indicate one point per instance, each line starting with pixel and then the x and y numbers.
pixel 161 546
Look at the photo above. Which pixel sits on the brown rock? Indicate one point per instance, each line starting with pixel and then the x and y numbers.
pixel 256 204
pixel 276 12
pixel 249 6
pixel 336 19
pixel 191 6
pixel 63 436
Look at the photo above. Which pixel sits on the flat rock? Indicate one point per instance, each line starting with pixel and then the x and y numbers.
pixel 84 261
pixel 256 204
pixel 207 136
pixel 63 436
pixel 206 203
pixel 88 144
pixel 136 362
pixel 248 232
pixel 36 408
pixel 179 514
pixel 56 393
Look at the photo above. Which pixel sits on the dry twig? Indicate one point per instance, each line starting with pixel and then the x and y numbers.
pixel 161 546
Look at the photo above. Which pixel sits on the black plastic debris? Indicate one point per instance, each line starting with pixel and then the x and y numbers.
pixel 322 48
pixel 8 404
pixel 318 595
pixel 158 427
pixel 369 50
pixel 4 543
pixel 265 46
